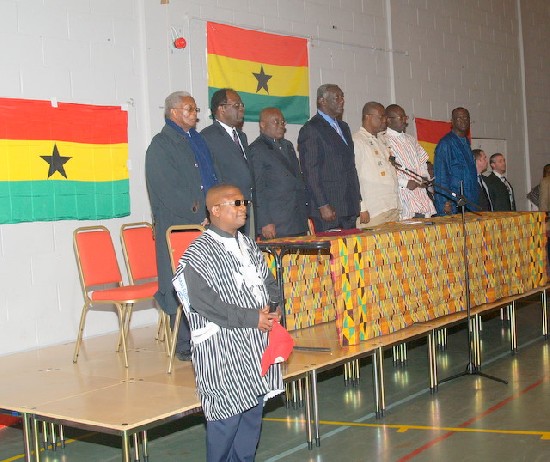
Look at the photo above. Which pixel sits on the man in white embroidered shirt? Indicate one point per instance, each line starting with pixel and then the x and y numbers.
pixel 377 178
pixel 225 288
pixel 413 195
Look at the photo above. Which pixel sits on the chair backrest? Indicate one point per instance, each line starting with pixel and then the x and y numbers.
pixel 96 256
pixel 178 238
pixel 138 247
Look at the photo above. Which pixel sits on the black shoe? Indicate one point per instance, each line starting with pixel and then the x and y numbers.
pixel 183 355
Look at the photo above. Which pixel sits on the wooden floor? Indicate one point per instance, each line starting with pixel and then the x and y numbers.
pixel 468 419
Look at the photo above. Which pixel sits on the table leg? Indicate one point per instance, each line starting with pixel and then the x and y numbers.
pixel 308 412
pixel 315 407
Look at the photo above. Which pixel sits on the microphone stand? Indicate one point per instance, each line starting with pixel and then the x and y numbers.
pixel 471 367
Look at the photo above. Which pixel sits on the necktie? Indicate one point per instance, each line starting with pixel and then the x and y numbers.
pixel 339 131
pixel 237 141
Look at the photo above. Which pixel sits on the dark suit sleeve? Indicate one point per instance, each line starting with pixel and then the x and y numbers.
pixel 311 160
pixel 259 171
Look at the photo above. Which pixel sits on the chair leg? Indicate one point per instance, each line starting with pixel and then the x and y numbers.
pixel 174 339
pixel 121 317
pixel 80 333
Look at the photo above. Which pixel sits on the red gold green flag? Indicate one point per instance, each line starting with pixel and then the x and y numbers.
pixel 61 162
pixel 429 132
pixel 265 69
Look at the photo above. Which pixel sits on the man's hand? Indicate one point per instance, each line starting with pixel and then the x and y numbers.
pixel 205 222
pixel 265 321
pixel 268 231
pixel 327 213
pixel 364 217
pixel 412 185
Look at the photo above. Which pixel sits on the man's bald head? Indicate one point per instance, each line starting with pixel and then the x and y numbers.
pixel 272 123
pixel 218 194
pixel 225 214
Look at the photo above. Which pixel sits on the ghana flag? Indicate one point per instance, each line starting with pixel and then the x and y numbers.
pixel 64 162
pixel 265 69
pixel 429 132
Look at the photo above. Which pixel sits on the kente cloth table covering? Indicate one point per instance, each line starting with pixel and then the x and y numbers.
pixel 385 279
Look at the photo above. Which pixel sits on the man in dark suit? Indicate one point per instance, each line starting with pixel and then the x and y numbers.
pixel 280 201
pixel 228 144
pixel 500 190
pixel 484 200
pixel 179 171
pixel 328 163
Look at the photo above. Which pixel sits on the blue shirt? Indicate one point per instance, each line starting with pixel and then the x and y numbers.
pixel 333 123
pixel 454 162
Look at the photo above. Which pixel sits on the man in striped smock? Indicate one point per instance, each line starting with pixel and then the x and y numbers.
pixel 225 288
pixel 413 195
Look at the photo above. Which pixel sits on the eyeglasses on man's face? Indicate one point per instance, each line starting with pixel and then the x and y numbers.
pixel 235 105
pixel 189 109
pixel 237 203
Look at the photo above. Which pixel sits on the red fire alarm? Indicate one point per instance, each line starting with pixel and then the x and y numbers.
pixel 180 43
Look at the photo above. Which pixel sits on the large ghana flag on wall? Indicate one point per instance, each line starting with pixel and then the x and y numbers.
pixel 64 162
pixel 429 132
pixel 265 69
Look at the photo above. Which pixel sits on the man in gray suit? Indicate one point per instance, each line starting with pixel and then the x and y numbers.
pixel 179 171
pixel 280 201
pixel 228 144
pixel 328 162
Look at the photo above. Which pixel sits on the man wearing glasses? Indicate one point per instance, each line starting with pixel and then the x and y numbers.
pixel 377 176
pixel 229 145
pixel 280 201
pixel 179 170
pixel 225 288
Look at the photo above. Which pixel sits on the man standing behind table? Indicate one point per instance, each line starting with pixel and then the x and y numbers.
pixel 500 190
pixel 328 163
pixel 453 164
pixel 225 286
pixel 280 200
pixel 413 195
pixel 482 163
pixel 377 176
pixel 228 144
pixel 179 171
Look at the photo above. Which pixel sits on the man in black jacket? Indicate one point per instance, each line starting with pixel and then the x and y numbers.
pixel 280 201
pixel 228 144
pixel 500 190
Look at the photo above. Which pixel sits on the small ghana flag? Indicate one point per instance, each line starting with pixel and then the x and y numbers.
pixel 64 162
pixel 429 132
pixel 265 69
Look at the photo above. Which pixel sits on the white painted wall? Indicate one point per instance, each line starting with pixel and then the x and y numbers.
pixel 432 55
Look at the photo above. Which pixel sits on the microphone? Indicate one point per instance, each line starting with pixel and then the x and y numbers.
pixel 394 162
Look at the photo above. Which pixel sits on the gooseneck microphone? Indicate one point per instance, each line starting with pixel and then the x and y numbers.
pixel 394 162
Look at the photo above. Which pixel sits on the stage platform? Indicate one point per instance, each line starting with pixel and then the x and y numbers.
pixel 100 394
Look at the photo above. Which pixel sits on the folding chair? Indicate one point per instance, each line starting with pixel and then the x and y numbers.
pixel 178 238
pixel 98 266
pixel 138 247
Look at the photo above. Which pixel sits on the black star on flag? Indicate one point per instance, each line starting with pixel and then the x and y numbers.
pixel 262 79
pixel 56 162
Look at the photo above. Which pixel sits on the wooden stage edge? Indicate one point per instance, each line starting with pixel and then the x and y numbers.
pixel 100 394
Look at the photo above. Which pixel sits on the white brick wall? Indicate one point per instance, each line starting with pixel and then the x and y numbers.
pixel 445 54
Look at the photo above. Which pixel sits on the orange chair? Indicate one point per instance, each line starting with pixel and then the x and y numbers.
pixel 138 247
pixel 98 267
pixel 178 238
